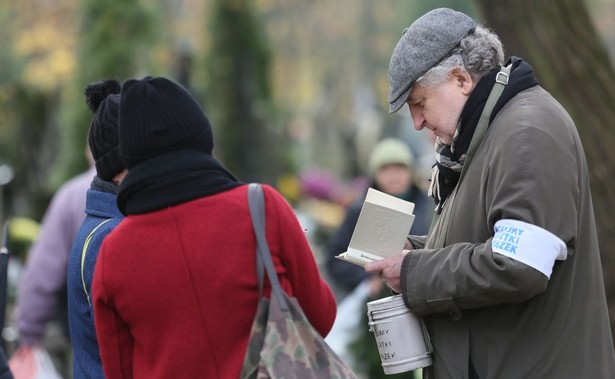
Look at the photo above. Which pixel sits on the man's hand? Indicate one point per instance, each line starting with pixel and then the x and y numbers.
pixel 389 270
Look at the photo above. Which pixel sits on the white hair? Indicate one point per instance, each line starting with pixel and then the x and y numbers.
pixel 478 53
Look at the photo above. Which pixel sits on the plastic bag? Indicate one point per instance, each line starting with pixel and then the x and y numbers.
pixel 32 362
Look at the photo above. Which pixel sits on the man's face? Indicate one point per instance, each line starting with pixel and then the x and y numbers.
pixel 438 108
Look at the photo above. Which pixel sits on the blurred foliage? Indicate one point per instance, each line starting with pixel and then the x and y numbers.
pixel 23 232
pixel 111 42
pixel 329 75
pixel 288 84
pixel 53 50
pixel 238 66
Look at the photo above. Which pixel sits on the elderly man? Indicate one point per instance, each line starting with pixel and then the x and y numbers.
pixel 509 279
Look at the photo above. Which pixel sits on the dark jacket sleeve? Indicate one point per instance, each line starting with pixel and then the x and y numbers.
pixel 344 274
pixel 5 372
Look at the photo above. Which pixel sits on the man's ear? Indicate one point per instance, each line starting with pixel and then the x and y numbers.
pixel 463 79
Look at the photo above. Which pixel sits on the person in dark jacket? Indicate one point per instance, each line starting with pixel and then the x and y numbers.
pixel 391 170
pixel 102 216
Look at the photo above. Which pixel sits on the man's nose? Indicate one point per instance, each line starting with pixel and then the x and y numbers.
pixel 417 119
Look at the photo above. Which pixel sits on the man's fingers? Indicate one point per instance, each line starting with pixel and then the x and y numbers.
pixel 376 266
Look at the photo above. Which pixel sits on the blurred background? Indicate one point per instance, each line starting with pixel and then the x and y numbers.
pixel 296 92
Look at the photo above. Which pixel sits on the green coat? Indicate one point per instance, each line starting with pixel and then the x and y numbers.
pixel 511 319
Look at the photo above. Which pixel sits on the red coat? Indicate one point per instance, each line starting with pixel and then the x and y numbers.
pixel 175 290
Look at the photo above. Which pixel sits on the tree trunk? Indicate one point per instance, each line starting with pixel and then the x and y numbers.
pixel 559 40
pixel 239 91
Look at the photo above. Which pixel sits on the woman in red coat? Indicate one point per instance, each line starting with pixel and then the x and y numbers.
pixel 175 286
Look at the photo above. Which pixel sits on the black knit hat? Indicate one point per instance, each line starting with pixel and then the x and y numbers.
pixel 158 116
pixel 103 99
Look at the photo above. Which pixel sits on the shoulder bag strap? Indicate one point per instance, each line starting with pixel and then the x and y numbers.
pixel 83 253
pixel 256 200
pixel 501 80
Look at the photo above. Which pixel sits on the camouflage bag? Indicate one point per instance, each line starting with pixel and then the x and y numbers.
pixel 283 344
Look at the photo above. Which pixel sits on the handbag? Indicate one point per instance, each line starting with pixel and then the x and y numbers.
pixel 283 343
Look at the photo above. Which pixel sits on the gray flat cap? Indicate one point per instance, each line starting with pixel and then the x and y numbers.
pixel 424 44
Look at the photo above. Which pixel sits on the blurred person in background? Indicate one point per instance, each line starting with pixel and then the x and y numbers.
pixel 41 297
pixel 391 170
pixel 175 287
pixel 102 216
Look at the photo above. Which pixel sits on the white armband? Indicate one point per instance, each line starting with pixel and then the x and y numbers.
pixel 528 244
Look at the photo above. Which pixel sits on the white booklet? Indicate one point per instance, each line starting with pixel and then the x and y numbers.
pixel 382 228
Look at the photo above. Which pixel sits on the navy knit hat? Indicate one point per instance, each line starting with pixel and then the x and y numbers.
pixel 103 99
pixel 158 116
pixel 423 45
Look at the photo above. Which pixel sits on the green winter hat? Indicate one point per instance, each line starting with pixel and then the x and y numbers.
pixel 390 151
